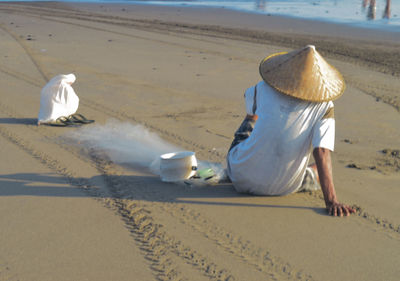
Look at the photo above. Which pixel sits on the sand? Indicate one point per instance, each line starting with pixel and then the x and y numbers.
pixel 72 212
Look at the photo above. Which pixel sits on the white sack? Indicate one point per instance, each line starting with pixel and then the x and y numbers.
pixel 58 98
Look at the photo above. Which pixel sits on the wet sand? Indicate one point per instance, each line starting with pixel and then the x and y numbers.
pixel 70 213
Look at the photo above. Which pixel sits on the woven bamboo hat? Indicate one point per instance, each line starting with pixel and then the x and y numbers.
pixel 303 74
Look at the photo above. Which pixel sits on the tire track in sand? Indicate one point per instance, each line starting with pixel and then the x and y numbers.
pixel 45 159
pixel 246 252
pixel 152 26
pixel 161 265
pixel 155 244
pixel 20 76
pixel 261 259
pixel 141 224
pixel 53 15
pixel 27 51
pixel 137 217
pixel 380 222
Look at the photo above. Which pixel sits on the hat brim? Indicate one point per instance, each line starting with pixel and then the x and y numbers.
pixel 302 74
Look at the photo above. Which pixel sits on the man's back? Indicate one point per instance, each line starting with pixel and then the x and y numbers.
pixel 272 161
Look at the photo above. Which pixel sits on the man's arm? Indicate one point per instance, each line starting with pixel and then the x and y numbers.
pixel 322 158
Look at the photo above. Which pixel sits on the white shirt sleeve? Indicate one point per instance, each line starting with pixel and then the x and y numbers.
pixel 324 134
pixel 249 100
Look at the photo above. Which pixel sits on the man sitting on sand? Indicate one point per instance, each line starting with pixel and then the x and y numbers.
pixel 289 114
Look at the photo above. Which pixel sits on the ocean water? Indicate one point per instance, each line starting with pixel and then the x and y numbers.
pixel 362 13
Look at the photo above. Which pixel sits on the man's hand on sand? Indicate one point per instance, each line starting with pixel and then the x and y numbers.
pixel 340 210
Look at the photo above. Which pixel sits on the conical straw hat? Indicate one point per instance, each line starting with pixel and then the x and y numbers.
pixel 303 74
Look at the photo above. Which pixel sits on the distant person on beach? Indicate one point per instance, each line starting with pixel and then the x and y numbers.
pixel 371 14
pixel 289 114
pixel 260 5
pixel 386 13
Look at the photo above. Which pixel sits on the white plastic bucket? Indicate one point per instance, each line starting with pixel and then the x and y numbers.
pixel 177 166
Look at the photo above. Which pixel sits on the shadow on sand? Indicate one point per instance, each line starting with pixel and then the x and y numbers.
pixel 146 188
pixel 19 121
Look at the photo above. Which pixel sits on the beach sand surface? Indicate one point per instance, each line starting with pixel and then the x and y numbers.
pixel 73 212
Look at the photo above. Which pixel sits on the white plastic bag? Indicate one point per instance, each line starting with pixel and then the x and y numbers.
pixel 58 99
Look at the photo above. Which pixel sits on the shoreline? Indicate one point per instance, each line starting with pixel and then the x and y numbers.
pixel 364 24
pixel 384 25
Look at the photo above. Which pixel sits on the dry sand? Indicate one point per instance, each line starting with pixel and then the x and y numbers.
pixel 70 213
